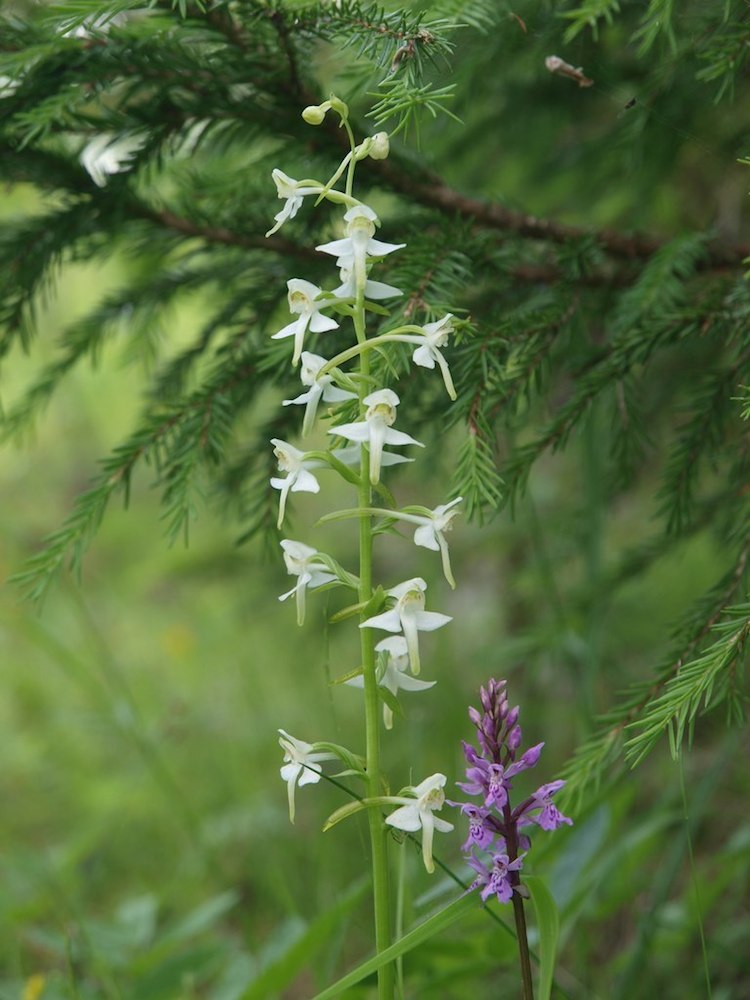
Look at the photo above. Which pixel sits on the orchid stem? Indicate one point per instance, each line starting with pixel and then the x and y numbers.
pixel 527 984
pixel 378 843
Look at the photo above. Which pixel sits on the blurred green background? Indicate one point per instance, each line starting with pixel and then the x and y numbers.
pixel 146 851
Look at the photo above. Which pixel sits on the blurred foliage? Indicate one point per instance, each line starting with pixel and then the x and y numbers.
pixel 596 239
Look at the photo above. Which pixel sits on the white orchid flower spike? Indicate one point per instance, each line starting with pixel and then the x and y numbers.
pixel 303 767
pixel 418 813
pixel 319 388
pixel 299 479
pixel 393 677
pixel 376 429
pixel 409 616
pixel 294 193
pixel 302 297
pixel 360 242
pixel 304 562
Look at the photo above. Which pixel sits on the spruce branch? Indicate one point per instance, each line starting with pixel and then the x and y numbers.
pixel 604 748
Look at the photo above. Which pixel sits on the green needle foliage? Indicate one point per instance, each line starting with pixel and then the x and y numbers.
pixel 602 283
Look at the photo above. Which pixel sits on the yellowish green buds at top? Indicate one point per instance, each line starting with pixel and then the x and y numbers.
pixel 315 113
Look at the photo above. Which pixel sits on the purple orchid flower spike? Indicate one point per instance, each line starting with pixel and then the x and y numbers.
pixel 495 827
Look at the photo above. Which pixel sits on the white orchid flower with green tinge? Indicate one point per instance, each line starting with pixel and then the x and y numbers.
pixel 360 242
pixel 305 563
pixel 433 525
pixel 409 616
pixel 302 765
pixel 303 297
pixel 392 675
pixel 432 337
pixel 299 479
pixel 294 193
pixel 417 812
pixel 319 388
pixel 376 429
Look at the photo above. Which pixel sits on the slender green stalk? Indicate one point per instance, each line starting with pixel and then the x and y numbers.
pixel 378 843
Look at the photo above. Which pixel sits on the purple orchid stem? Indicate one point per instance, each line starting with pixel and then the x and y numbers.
pixel 519 914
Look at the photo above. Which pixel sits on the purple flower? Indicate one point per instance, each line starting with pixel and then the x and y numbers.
pixel 494 827
pixel 497 879
pixel 550 817
pixel 481 828
pixel 484 779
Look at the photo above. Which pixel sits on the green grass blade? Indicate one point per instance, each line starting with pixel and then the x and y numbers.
pixel 423 932
pixel 548 924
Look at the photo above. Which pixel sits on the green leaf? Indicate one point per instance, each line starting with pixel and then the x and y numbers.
pixel 548 925
pixel 423 932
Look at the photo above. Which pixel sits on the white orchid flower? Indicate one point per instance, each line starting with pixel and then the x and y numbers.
pixel 432 527
pixel 360 242
pixel 294 194
pixel 418 813
pixel 302 301
pixel 393 676
pixel 299 479
pixel 429 341
pixel 319 388
pixel 303 767
pixel 109 154
pixel 301 562
pixel 408 615
pixel 348 287
pixel 376 429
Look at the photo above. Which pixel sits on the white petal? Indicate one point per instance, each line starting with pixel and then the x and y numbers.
pixel 305 482
pixel 301 399
pixel 379 290
pixel 320 323
pixel 409 683
pixel 423 356
pixel 310 777
pixel 392 436
pixel 358 431
pixel 425 536
pixel 338 248
pixel 289 330
pixel 401 589
pixel 389 621
pixel 428 621
pixel 405 818
pixel 376 248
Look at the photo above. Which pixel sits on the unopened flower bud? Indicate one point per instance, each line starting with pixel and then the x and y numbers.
pixel 514 738
pixel 315 113
pixel 512 717
pixel 475 717
pixel 380 146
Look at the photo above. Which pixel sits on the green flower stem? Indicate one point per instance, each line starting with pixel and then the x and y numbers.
pixel 378 843
pixel 362 346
